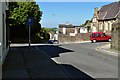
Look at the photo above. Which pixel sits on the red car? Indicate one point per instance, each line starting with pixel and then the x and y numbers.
pixel 99 36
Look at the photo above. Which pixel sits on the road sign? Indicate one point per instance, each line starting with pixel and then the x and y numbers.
pixel 29 21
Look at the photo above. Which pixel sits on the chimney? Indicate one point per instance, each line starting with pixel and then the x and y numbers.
pixel 95 9
pixel 95 12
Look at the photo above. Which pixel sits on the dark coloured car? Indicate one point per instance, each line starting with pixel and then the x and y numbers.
pixel 52 41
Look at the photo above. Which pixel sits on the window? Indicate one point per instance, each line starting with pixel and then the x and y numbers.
pixel 93 35
pixel 97 35
pixel 103 34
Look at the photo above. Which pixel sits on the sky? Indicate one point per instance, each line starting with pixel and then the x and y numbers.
pixel 76 13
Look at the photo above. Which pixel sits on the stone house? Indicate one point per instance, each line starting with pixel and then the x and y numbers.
pixel 4 35
pixel 103 18
pixel 65 29
pixel 67 33
pixel 69 29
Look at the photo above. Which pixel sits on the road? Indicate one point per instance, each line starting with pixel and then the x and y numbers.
pixel 75 59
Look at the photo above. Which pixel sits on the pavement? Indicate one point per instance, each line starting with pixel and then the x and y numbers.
pixel 76 42
pixel 25 62
pixel 107 50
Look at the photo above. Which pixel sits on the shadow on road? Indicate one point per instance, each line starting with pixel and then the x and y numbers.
pixel 25 62
pixel 54 50
pixel 73 72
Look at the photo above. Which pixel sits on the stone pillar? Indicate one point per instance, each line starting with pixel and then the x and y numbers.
pixel 115 43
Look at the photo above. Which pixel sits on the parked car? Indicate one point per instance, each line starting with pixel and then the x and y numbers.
pixel 99 36
pixel 52 41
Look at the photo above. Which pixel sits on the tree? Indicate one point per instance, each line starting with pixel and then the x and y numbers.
pixel 18 12
pixel 86 22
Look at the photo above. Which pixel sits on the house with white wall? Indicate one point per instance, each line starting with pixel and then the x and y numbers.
pixel 4 40
pixel 83 29
pixel 71 30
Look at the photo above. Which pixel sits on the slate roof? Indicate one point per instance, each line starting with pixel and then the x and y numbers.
pixel 67 26
pixel 77 26
pixel 109 11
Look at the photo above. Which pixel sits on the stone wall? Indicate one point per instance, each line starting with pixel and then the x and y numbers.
pixel 73 39
pixel 115 43
pixel 68 30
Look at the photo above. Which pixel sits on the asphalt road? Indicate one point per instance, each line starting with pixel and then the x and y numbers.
pixel 83 59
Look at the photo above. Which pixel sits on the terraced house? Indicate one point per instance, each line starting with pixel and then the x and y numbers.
pixel 4 38
pixel 103 18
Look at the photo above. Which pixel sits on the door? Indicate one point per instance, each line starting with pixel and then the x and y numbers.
pixel 103 36
pixel 98 37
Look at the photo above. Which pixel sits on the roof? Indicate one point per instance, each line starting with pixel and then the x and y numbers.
pixel 77 26
pixel 109 11
pixel 66 25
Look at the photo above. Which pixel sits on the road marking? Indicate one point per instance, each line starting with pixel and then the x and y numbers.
pixel 56 61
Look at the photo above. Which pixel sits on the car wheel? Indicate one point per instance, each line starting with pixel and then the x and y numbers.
pixel 109 40
pixel 94 41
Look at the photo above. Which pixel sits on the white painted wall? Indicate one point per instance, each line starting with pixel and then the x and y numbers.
pixel 94 28
pixel 106 26
pixel 55 36
pixel 64 30
pixel 1 30
pixel 110 26
pixel 76 30
pixel 83 30
pixel 101 26
pixel 72 34
pixel 3 49
pixel 50 36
